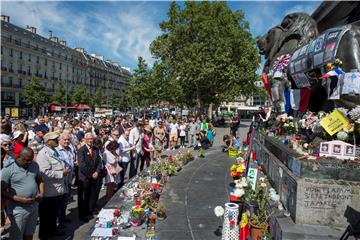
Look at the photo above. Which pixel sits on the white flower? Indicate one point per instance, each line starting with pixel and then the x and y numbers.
pixel 219 211
pixel 275 197
pixel 343 111
pixel 262 179
pixel 342 136
pixel 239 192
pixel 355 114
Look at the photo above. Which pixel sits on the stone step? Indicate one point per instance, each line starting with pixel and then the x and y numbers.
pixel 284 228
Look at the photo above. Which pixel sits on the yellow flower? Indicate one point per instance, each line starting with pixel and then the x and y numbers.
pixel 233 167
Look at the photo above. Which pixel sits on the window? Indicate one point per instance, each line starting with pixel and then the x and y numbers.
pixel 11 52
pixel 11 68
pixel 59 76
pixel 29 57
pixel 29 70
pixel 45 75
pixel 2 49
pixel 45 61
pixel 20 68
pixel 10 38
pixel 53 64
pixel 37 59
pixel 7 96
pixel 60 66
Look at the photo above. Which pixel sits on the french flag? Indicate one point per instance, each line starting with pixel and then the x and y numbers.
pixel 333 72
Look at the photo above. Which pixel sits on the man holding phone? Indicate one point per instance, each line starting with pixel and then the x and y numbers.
pixel 22 184
pixel 53 172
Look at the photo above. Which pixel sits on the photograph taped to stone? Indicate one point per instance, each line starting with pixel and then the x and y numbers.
pixel 336 149
pixel 324 147
pixel 318 59
pixel 349 151
pixel 319 43
pixel 351 83
pixel 333 34
pixel 311 48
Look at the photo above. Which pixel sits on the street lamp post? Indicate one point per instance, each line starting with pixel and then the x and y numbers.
pixel 66 95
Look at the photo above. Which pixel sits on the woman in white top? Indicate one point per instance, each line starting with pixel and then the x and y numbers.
pixel 125 150
pixel 111 160
pixel 182 134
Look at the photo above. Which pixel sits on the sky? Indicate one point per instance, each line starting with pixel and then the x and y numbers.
pixel 122 31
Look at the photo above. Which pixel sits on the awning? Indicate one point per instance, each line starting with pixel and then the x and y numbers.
pixel 81 107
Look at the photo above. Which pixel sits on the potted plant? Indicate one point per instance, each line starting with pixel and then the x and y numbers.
pixel 259 219
pixel 161 211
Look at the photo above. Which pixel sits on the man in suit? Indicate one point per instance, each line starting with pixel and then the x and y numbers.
pixel 89 163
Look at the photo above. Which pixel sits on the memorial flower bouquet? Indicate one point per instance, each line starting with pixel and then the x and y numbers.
pixel 237 170
pixel 137 216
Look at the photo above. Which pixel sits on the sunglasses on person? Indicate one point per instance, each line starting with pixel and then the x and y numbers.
pixel 5 144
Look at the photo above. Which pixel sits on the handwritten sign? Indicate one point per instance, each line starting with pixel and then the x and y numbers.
pixel 351 83
pixel 337 149
pixel 334 122
pixel 252 176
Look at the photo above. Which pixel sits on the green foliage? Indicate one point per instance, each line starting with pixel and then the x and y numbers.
pixel 34 93
pixel 114 100
pixel 98 98
pixel 80 96
pixel 140 92
pixel 59 95
pixel 207 51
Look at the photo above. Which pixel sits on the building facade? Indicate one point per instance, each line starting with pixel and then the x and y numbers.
pixel 25 54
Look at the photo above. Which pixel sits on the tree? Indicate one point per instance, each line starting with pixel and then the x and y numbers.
pixel 34 94
pixel 140 91
pixel 80 95
pixel 59 95
pixel 114 100
pixel 98 99
pixel 208 51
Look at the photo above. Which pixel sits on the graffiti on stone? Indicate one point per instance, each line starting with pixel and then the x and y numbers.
pixel 326 197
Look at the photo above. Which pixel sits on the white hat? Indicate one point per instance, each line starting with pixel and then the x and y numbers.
pixel 50 135
pixel 4 138
pixel 16 134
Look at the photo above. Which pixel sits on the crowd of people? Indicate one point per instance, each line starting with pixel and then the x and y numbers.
pixel 44 160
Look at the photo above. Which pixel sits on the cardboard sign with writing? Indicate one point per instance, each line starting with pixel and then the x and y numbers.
pixel 334 122
pixel 252 176
pixel 337 149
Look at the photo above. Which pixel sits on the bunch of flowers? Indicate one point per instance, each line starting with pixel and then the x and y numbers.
pixel 238 170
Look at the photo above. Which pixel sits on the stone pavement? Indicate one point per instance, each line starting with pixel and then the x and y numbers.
pixel 191 196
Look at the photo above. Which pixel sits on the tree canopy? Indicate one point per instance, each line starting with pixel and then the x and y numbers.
pixel 59 95
pixel 34 94
pixel 206 52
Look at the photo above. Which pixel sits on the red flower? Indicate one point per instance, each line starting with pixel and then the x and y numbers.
pixel 232 222
pixel 116 213
pixel 170 158
pixel 260 168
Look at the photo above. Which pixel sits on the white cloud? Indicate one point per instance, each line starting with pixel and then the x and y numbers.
pixel 307 7
pixel 114 29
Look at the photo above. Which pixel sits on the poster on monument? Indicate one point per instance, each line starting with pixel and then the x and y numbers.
pixel 351 83
pixel 337 149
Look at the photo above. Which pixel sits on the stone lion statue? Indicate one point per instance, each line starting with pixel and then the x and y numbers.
pixel 296 30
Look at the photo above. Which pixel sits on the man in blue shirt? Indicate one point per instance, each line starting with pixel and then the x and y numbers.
pixel 22 185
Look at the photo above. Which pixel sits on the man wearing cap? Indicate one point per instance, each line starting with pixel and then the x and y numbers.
pixel 38 142
pixel 89 163
pixel 22 184
pixel 53 172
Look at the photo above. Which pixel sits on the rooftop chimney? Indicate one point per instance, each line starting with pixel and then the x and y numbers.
pixel 5 18
pixel 31 29
pixel 80 50
pixel 62 42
